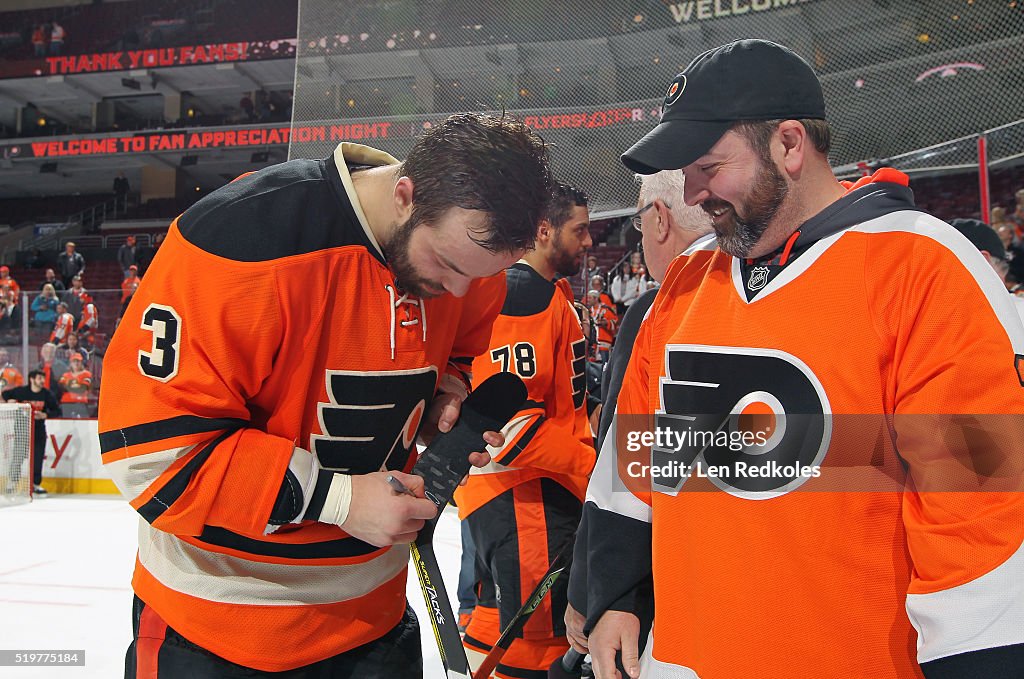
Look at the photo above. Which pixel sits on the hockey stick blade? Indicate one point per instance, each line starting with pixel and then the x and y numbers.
pixel 443 465
pixel 518 621
pixel 445 462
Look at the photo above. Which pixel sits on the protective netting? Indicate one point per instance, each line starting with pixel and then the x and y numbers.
pixel 898 75
pixel 15 453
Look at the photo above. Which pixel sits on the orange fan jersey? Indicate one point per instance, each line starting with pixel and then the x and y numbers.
pixel 65 323
pixel 886 356
pixel 538 337
pixel 607 322
pixel 77 386
pixel 126 287
pixel 10 377
pixel 90 318
pixel 269 321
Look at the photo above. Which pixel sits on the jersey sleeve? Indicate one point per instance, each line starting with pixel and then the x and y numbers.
pixel 616 524
pixel 175 429
pixel 956 384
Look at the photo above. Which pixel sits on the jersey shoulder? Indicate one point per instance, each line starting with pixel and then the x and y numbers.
pixel 528 294
pixel 292 208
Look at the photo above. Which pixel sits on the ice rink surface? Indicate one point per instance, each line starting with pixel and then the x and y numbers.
pixel 65 583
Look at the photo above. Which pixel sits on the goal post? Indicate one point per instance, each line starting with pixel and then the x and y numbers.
pixel 16 431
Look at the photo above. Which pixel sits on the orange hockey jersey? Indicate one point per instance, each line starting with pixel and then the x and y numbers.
pixel 538 337
pixel 64 324
pixel 269 321
pixel 873 521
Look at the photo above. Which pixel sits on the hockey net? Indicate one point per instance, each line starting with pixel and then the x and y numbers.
pixel 589 77
pixel 15 454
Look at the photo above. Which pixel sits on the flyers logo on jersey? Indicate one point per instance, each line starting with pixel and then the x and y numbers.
pixel 372 418
pixel 738 409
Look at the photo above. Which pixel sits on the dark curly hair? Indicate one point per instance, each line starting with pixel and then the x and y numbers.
pixel 563 199
pixel 482 162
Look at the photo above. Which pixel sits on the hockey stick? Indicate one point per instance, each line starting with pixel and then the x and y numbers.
pixel 518 621
pixel 443 465
pixel 569 666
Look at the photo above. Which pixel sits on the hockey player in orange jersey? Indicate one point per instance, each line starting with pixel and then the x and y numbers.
pixel 252 417
pixel 526 503
pixel 881 532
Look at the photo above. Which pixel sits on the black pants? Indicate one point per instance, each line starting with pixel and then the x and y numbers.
pixel 395 655
pixel 38 453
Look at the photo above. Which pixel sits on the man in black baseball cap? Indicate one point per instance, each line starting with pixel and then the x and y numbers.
pixel 982 236
pixel 824 297
pixel 744 80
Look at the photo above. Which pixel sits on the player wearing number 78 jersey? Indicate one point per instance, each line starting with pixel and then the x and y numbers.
pixel 526 504
pixel 273 370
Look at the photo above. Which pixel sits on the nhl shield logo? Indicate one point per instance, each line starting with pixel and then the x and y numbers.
pixel 758 278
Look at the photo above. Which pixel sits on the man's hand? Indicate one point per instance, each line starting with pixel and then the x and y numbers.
pixel 615 631
pixel 574 621
pixel 442 416
pixel 380 515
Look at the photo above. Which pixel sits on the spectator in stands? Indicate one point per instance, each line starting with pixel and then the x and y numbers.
pixel 44 405
pixel 10 293
pixel 1002 225
pixel 625 287
pixel 89 321
pixel 73 344
pixel 991 246
pixel 130 282
pixel 74 298
pixel 9 375
pixel 147 254
pixel 125 301
pixel 126 255
pixel 1018 215
pixel 52 367
pixel 597 283
pixel 588 272
pixel 44 307
pixel 51 279
pixel 636 261
pixel 121 189
pixel 77 385
pixel 70 263
pixel 604 318
pixel 39 40
pixel 57 37
pixel 64 324
pixel 7 282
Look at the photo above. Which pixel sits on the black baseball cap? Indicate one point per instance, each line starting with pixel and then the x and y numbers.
pixel 982 236
pixel 743 80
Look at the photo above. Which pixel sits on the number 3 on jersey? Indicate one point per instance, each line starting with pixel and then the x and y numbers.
pixel 161 362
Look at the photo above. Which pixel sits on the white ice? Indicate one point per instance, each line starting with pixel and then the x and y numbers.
pixel 65 583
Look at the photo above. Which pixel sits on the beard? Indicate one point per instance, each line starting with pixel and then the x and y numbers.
pixel 564 262
pixel 397 254
pixel 737 233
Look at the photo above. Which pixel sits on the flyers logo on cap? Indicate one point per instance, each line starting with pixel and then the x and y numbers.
pixel 675 89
